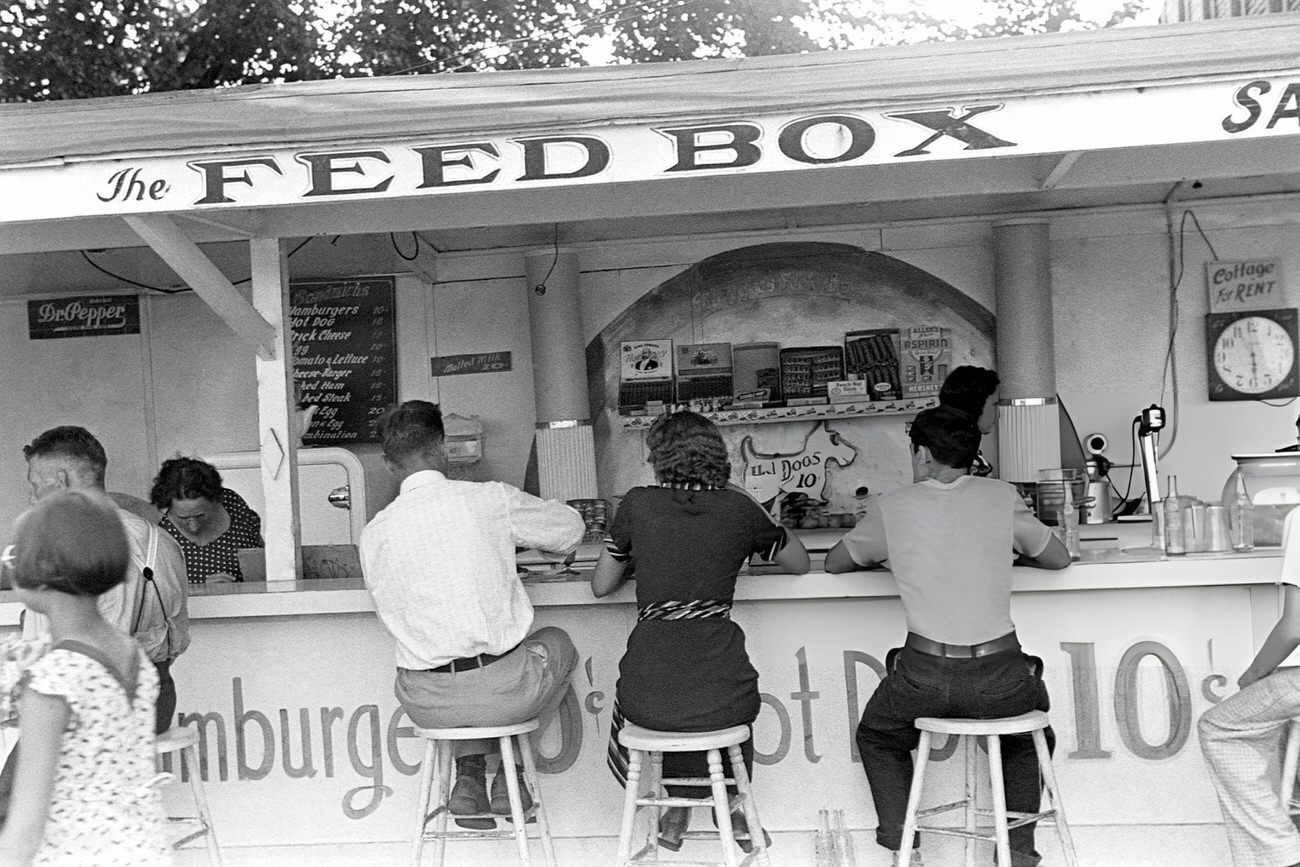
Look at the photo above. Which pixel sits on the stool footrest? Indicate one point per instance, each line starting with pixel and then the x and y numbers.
pixel 674 802
pixel 469 835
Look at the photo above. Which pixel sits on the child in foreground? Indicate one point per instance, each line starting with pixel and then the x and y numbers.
pixel 83 793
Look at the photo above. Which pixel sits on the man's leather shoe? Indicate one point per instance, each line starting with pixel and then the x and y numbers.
pixel 673 823
pixel 469 795
pixel 501 793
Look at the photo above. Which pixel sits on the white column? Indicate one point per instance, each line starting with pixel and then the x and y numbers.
pixel 1029 430
pixel 566 454
pixel 280 525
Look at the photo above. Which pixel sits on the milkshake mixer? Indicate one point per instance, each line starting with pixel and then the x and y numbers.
pixel 1150 422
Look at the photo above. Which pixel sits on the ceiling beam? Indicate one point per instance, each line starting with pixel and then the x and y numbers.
pixel 207 281
pixel 1063 165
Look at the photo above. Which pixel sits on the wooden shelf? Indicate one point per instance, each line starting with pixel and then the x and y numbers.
pixel 863 409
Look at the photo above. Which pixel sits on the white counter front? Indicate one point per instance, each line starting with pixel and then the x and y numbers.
pixel 304 742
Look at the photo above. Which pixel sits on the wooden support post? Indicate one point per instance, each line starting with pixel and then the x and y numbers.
pixel 275 414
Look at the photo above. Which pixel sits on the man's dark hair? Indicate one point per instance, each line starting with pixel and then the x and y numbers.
pixel 952 438
pixel 70 443
pixel 185 479
pixel 411 428
pixel 968 389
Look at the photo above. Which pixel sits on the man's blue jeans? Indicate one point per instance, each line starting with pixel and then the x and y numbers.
pixel 918 684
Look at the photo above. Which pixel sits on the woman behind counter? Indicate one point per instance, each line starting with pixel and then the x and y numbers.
pixel 210 522
pixel 686 668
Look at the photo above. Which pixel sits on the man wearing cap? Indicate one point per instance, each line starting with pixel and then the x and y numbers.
pixel 950 540
pixel 439 562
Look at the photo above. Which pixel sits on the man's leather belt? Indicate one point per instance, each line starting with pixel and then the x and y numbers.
pixel 962 651
pixel 468 663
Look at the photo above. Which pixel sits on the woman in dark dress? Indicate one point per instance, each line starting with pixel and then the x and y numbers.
pixel 686 668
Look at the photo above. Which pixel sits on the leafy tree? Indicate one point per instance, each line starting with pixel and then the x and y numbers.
pixel 385 37
pixel 62 49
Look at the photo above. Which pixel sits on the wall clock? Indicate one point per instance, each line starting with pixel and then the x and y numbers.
pixel 1251 354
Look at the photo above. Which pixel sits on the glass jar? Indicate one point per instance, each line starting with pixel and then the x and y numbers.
pixel 1273 483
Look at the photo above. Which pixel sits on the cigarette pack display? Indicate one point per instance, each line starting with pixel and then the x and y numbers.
pixel 806 370
pixel 645 372
pixel 872 355
pixel 757 366
pixel 926 360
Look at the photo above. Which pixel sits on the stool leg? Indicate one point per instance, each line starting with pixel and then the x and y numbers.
pixel 190 758
pixel 422 801
pixel 653 792
pixel 516 801
pixel 543 823
pixel 722 807
pixel 444 765
pixel 971 753
pixel 630 796
pixel 1049 782
pixel 1289 765
pixel 746 793
pixel 914 800
pixel 999 799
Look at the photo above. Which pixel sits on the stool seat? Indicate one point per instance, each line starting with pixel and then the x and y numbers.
pixel 433 798
pixel 636 738
pixel 185 741
pixel 470 733
pixel 1025 723
pixel 175 739
pixel 1032 724
pixel 647 747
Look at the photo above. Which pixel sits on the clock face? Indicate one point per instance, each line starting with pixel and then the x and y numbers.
pixel 1253 354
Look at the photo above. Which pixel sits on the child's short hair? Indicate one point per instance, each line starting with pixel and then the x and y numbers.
pixel 71 541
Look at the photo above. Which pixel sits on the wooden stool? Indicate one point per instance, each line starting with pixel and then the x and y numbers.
pixel 184 740
pixel 639 743
pixel 1031 723
pixel 437 755
pixel 1289 766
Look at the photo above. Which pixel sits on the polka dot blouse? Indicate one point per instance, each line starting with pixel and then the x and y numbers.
pixel 219 555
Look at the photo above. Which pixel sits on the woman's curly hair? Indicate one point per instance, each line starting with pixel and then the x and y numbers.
pixel 685 447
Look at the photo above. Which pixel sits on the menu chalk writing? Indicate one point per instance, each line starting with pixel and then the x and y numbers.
pixel 344 355
pixel 478 362
pixel 83 316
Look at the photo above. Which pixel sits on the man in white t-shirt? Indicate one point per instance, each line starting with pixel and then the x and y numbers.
pixel 950 540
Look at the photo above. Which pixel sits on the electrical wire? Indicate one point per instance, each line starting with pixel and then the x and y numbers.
pixel 392 239
pixel 554 258
pixel 1132 461
pixel 92 263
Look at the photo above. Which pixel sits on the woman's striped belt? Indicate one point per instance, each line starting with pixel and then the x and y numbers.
pixel 694 609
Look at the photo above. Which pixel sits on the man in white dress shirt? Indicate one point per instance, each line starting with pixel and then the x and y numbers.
pixel 439 562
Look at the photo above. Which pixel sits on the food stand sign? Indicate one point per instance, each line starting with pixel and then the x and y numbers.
pixel 846 135
pixel 83 316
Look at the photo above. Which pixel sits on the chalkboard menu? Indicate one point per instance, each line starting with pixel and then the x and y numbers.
pixel 344 355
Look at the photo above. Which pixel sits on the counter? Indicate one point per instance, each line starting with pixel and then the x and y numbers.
pixel 303 741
